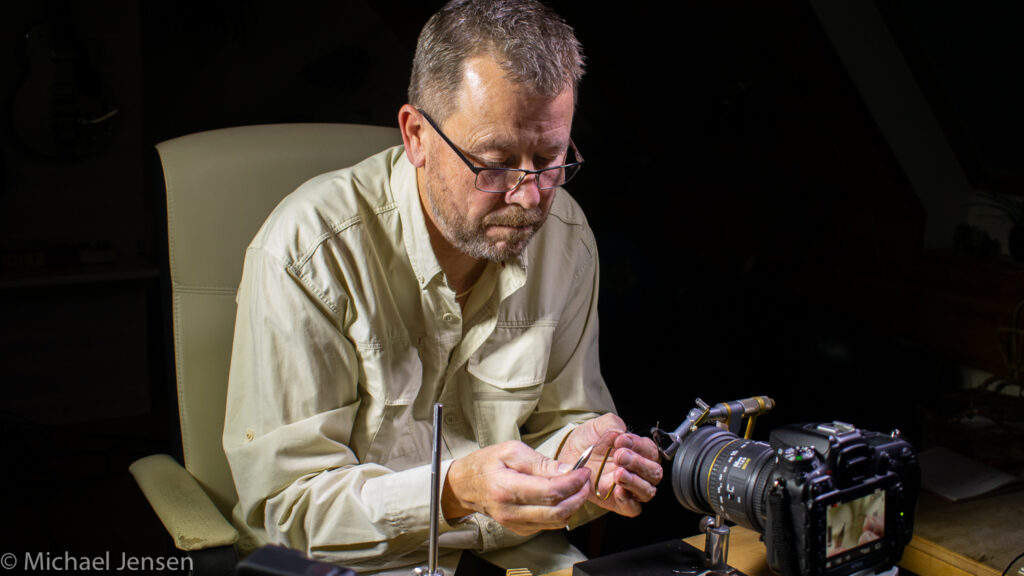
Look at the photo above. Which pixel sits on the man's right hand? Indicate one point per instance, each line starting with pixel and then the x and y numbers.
pixel 520 488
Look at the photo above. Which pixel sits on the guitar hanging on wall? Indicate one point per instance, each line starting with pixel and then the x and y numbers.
pixel 62 110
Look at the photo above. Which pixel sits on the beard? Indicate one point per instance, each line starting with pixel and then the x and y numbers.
pixel 518 227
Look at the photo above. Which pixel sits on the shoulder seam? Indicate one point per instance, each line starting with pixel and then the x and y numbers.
pixel 336 229
pixel 291 267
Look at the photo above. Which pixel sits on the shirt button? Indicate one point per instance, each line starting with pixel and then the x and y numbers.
pixel 450 418
pixel 450 318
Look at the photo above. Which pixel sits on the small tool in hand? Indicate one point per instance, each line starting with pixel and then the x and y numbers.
pixel 581 463
pixel 583 458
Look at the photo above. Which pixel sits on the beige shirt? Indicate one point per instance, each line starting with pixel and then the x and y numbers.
pixel 347 333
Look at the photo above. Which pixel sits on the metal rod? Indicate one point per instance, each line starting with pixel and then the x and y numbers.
pixel 431 568
pixel 716 542
pixel 435 489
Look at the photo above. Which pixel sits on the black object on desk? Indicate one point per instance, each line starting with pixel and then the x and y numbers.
pixel 671 558
pixel 281 561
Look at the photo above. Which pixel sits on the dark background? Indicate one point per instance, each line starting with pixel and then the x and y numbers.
pixel 757 233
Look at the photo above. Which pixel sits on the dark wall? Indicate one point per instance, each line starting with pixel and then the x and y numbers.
pixel 728 153
pixel 728 156
pixel 731 153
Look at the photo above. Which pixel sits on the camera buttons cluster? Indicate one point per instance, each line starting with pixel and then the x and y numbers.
pixel 798 454
pixel 853 555
pixel 798 459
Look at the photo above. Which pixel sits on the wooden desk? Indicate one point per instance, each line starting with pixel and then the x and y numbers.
pixel 746 551
pixel 986 535
pixel 922 556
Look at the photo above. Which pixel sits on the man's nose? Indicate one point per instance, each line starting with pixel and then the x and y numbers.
pixel 527 194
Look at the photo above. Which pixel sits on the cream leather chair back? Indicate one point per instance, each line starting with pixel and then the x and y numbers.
pixel 221 185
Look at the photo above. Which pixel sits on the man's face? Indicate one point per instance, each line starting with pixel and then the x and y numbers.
pixel 496 124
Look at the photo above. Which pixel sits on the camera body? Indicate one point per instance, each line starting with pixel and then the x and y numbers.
pixel 840 499
pixel 828 498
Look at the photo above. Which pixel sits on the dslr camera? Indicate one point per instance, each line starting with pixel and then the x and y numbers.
pixel 827 498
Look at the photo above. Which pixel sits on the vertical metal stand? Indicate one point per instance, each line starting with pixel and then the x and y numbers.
pixel 716 542
pixel 431 568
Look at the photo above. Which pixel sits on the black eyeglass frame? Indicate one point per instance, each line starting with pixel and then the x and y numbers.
pixel 523 172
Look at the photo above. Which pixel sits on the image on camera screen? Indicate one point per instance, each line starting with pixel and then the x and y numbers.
pixel 855 523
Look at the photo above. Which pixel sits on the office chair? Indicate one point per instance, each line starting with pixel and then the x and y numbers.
pixel 221 185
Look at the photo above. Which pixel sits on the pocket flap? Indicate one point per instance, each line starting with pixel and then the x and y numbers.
pixel 515 356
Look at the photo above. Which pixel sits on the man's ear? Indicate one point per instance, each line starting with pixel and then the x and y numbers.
pixel 412 125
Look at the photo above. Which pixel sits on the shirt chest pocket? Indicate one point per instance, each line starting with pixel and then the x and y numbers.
pixel 507 377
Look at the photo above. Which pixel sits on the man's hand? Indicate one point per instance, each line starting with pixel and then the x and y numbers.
pixel 520 488
pixel 873 529
pixel 633 466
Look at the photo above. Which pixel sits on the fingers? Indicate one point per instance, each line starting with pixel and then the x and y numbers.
pixel 527 519
pixel 522 458
pixel 642 446
pixel 527 492
pixel 527 504
pixel 625 503
pixel 633 477
pixel 517 474
pixel 635 486
pixel 599 432
pixel 521 489
pixel 639 456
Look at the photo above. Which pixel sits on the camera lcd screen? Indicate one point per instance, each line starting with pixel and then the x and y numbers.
pixel 854 523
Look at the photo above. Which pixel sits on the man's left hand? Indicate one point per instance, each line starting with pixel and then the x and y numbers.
pixel 632 471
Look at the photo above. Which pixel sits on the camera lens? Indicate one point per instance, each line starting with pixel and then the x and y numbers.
pixel 716 472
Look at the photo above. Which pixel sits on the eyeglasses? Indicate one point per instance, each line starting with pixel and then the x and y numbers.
pixel 503 180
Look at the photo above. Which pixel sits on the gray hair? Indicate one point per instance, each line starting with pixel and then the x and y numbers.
pixel 528 40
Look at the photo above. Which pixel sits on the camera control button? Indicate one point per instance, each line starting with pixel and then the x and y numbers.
pixel 798 459
pixel 822 485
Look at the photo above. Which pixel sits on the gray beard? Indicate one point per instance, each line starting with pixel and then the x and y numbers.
pixel 471 240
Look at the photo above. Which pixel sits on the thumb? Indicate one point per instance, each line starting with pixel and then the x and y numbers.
pixel 547 467
pixel 536 464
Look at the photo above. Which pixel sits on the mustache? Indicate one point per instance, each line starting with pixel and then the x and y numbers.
pixel 516 217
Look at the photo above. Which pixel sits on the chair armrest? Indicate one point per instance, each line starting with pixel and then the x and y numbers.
pixel 187 513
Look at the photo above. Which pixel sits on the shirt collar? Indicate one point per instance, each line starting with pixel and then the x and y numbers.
pixel 414 224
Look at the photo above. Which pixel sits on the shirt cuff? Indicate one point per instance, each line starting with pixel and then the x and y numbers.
pixel 405 498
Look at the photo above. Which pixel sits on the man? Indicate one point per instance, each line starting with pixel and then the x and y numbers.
pixel 452 269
